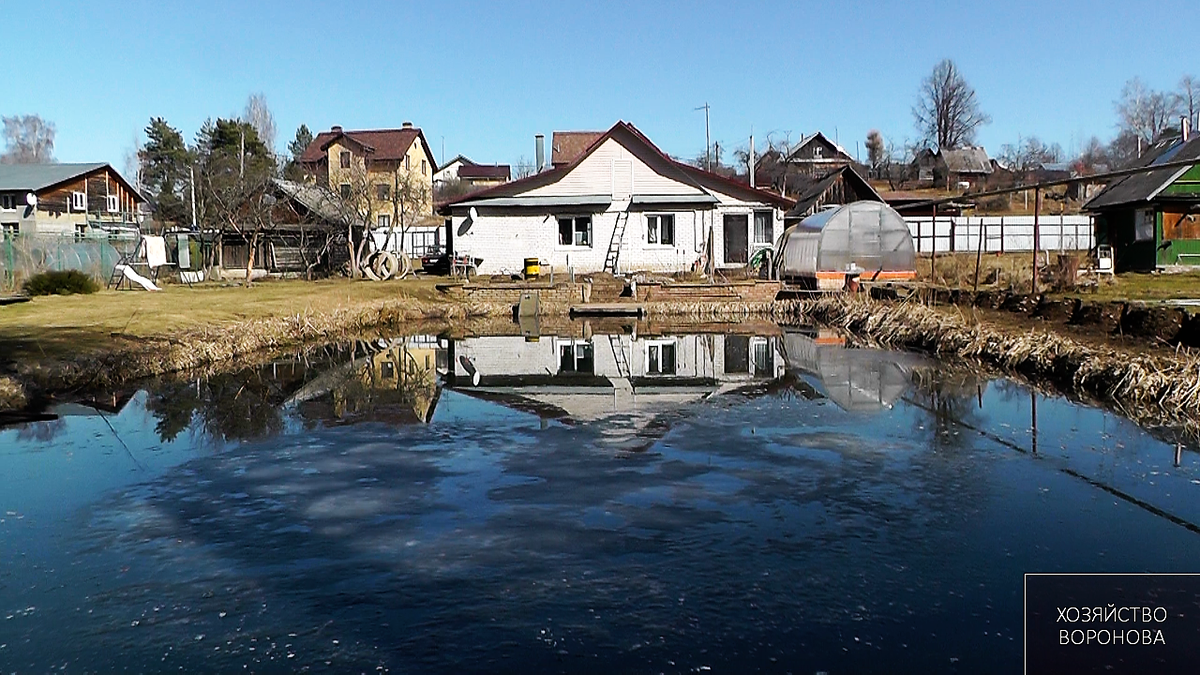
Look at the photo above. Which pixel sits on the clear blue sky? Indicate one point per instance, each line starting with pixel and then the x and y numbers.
pixel 487 76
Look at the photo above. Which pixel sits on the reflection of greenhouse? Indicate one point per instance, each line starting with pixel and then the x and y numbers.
pixel 857 380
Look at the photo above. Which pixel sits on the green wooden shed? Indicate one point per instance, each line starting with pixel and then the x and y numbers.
pixel 1152 219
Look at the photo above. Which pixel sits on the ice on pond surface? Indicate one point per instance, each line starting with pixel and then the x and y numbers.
pixel 633 500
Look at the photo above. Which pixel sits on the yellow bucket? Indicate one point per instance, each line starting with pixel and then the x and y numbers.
pixel 533 267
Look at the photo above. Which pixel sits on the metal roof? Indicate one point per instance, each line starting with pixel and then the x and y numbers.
pixel 315 199
pixel 1142 187
pixel 967 160
pixel 674 199
pixel 810 196
pixel 531 200
pixel 34 177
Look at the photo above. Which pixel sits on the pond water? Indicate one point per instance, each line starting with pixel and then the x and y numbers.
pixel 640 501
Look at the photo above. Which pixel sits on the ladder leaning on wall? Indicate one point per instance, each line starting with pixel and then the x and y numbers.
pixel 614 244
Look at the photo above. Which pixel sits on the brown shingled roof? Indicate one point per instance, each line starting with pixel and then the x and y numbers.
pixel 384 144
pixel 682 172
pixel 566 146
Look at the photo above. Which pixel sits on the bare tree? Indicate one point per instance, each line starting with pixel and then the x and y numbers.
pixel 258 115
pixel 29 139
pixel 411 201
pixel 1029 153
pixel 875 149
pixel 239 200
pixel 1187 98
pixel 947 112
pixel 1144 112
pixel 523 168
pixel 131 160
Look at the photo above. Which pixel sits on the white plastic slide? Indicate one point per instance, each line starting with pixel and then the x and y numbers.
pixel 138 279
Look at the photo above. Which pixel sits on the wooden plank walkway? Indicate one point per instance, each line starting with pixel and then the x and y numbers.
pixel 608 309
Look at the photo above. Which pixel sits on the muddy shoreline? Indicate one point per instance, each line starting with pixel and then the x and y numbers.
pixel 1152 385
pixel 1119 356
pixel 31 383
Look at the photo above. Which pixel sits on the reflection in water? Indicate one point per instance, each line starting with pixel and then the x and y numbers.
pixel 472 504
pixel 857 380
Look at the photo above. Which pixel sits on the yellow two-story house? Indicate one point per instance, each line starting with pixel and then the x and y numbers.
pixel 386 176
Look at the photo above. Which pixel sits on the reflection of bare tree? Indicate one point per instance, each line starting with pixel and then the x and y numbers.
pixel 950 397
pixel 388 381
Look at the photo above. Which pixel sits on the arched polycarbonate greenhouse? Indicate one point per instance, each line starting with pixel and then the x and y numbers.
pixel 864 240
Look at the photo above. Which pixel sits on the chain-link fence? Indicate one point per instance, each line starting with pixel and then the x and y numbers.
pixel 22 256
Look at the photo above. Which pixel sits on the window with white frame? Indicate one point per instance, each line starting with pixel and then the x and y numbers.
pixel 8 201
pixel 424 168
pixel 422 241
pixel 660 229
pixel 575 231
pixel 577 357
pixel 344 159
pixel 113 203
pixel 762 357
pixel 79 201
pixel 764 228
pixel 818 152
pixel 660 357
pixel 384 221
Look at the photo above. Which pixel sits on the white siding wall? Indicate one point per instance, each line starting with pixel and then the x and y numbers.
pixel 696 356
pixel 612 169
pixel 733 206
pixel 504 240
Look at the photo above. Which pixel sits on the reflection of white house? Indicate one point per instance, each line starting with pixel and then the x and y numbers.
pixel 608 374
pixel 621 205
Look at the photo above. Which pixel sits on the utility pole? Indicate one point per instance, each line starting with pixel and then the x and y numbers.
pixel 192 173
pixel 707 141
pixel 750 167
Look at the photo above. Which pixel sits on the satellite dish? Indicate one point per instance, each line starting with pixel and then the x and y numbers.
pixel 31 199
pixel 473 214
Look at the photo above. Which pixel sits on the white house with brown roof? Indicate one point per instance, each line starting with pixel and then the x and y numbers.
pixel 619 205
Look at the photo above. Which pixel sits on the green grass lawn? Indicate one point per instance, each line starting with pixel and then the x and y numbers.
pixel 1132 286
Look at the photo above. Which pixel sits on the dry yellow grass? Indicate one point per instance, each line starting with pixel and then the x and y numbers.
pixel 57 326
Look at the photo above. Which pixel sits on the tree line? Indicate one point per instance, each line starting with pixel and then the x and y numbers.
pixel 947 115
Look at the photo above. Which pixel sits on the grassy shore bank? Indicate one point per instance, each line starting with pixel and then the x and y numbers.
pixel 55 345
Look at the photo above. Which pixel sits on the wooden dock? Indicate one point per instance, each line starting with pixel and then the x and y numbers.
pixel 608 309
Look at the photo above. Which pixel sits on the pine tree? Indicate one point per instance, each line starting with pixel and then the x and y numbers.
pixel 164 164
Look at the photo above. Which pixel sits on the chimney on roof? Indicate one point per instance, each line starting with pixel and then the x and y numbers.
pixel 1185 128
pixel 407 125
pixel 337 129
pixel 539 151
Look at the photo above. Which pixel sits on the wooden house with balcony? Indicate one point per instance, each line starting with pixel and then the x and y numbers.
pixel 70 200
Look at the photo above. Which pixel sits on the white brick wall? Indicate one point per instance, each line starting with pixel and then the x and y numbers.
pixel 695 355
